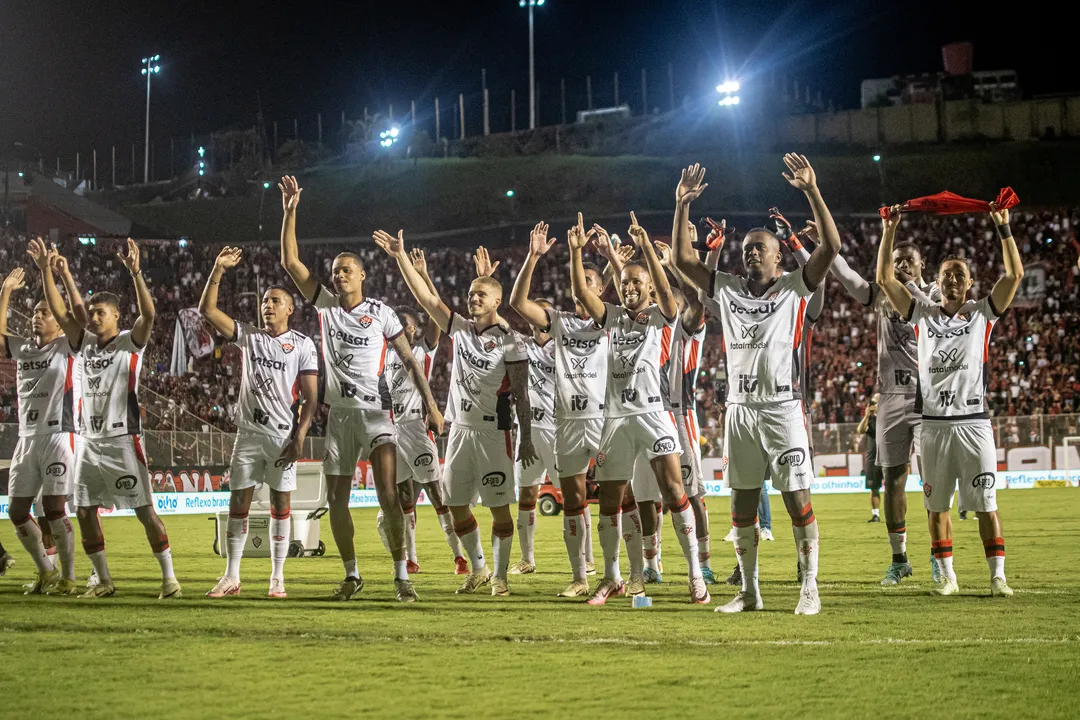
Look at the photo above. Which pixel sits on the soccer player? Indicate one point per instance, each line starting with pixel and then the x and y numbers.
pixel 765 425
pixel 418 456
pixel 280 370
pixel 634 417
pixel 44 459
pixel 488 375
pixel 957 439
pixel 868 427
pixel 580 360
pixel 110 468
pixel 356 332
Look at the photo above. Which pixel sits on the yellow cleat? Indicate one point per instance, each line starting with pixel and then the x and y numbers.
pixel 45 581
pixel 63 586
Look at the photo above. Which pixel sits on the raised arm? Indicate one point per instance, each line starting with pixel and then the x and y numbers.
pixel 690 187
pixel 577 239
pixel 803 178
pixel 518 373
pixel 896 291
pixel 665 299
pixel 434 417
pixel 431 329
pixel 715 243
pixel 616 255
pixel 78 309
pixel 482 261
pixel 290 253
pixel 795 246
pixel 16 280
pixel 43 259
pixel 539 244
pixel 1005 288
pixel 208 303
pixel 693 314
pixel 140 331
pixel 424 294
pixel 309 403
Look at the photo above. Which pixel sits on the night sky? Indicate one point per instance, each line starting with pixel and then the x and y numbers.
pixel 69 71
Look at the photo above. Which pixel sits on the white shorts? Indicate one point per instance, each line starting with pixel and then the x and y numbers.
pixel 897 430
pixel 112 472
pixel 576 443
pixel 959 452
pixel 644 484
pixel 767 441
pixel 479 465
pixel 255 460
pixel 624 438
pixel 417 454
pixel 43 465
pixel 544 467
pixel 690 460
pixel 352 434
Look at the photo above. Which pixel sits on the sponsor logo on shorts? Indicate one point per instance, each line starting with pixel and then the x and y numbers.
pixel 56 469
pixel 686 470
pixel 423 460
pixel 256 541
pixel 380 439
pixel 983 480
pixel 126 482
pixel 600 458
pixel 793 457
pixel 664 445
pixel 494 479
pixel 926 489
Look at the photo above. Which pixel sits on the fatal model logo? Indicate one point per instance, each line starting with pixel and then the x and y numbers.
pixel 343 361
pixel 493 480
pixel 126 482
pixel 263 383
pixel 578 363
pixel 949 356
pixel 627 361
pixel 984 481
pixel 750 331
pixel 664 445
pixel 793 457
pixel 94 383
pixel 365 322
pixel 423 460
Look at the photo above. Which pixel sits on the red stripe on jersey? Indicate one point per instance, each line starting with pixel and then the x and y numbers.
pixel 427 366
pixel 69 377
pixel 691 357
pixel 133 372
pixel 296 389
pixel 382 357
pixel 138 450
pixel 71 441
pixel 986 341
pixel 665 345
pixel 799 323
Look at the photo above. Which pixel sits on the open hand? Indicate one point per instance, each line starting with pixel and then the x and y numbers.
pixel 802 176
pixel 228 258
pixel 419 261
pixel 290 193
pixel 539 243
pixel 392 245
pixel 41 255
pixel 691 185
pixel 131 258
pixel 484 266
pixel 16 280
pixel 576 237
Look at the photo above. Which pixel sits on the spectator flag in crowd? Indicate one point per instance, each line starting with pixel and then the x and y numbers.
pixel 191 336
pixel 178 364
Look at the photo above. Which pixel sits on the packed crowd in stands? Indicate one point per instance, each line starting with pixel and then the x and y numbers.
pixel 1033 361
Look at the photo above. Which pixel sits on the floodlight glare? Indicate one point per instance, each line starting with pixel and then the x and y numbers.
pixel 266 185
pixel 509 193
pixel 729 101
pixel 394 132
pixel 731 86
pixel 877 158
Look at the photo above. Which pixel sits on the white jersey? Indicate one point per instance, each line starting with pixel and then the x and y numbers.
pixel 953 352
pixel 675 399
pixel 638 371
pixel 354 351
pixel 408 403
pixel 110 387
pixel 897 361
pixel 270 379
pixel 693 348
pixel 541 382
pixel 479 385
pixel 48 385
pixel 762 336
pixel 581 361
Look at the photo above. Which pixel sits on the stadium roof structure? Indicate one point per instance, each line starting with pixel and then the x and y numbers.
pixel 51 205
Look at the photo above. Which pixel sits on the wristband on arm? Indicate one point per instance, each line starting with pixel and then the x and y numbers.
pixel 784 232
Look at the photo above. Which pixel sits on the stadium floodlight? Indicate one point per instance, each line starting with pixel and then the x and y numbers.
pixel 509 193
pixel 266 185
pixel 387 138
pixel 149 69
pixel 730 86
pixel 532 59
pixel 877 158
pixel 729 101
pixel 22 174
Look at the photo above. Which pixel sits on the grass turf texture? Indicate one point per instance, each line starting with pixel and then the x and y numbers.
pixel 873 651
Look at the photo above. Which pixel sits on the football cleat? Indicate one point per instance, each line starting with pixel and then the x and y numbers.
pixel 730 537
pixel 874 519
pixel 636 585
pixel 735 578
pixel 225 586
pixel 652 577
pixel 6 561
pixel 947 586
pixel 411 567
pixel 896 573
pixel 607 588
pixel 577 588
pixel 461 566
pixel 590 568
pixel 743 602
pixel 523 568
pixel 935 572
pixel 63 586
pixel 405 592
pixel 475 581
pixel 499 587
pixel 45 580
pixel 809 602
pixel 348 589
pixel 170 590
pixel 707 576
pixel 277 588
pixel 998 588
pixel 698 592
pixel 99 589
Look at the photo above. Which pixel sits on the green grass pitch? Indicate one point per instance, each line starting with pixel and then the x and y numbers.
pixel 871 653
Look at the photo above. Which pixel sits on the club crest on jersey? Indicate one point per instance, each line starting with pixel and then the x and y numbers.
pixel 600 458
pixel 489 346
pixel 926 489
pixel 287 348
pixel 365 322
pixel 642 319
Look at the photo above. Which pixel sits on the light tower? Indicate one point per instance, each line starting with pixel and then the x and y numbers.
pixel 150 68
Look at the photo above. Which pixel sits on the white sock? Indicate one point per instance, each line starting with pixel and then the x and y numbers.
pixel 29 535
pixel 588 534
pixel 447 524
pixel 101 568
pixel 652 556
pixel 997 566
pixel 351 569
pixel 945 565
pixel 574 530
pixel 806 542
pixel 410 535
pixel 610 531
pixel 401 569
pixel 236 535
pixel 686 532
pixel 526 527
pixel 280 533
pixel 164 559
pixel 380 525
pixel 65 545
pixel 746 549
pixel 502 542
pixel 470 542
pixel 875 512
pixel 635 551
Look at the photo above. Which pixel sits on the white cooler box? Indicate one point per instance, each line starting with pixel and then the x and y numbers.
pixel 308 505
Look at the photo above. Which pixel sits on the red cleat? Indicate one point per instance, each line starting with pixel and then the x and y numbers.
pixel 461 566
pixel 412 567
